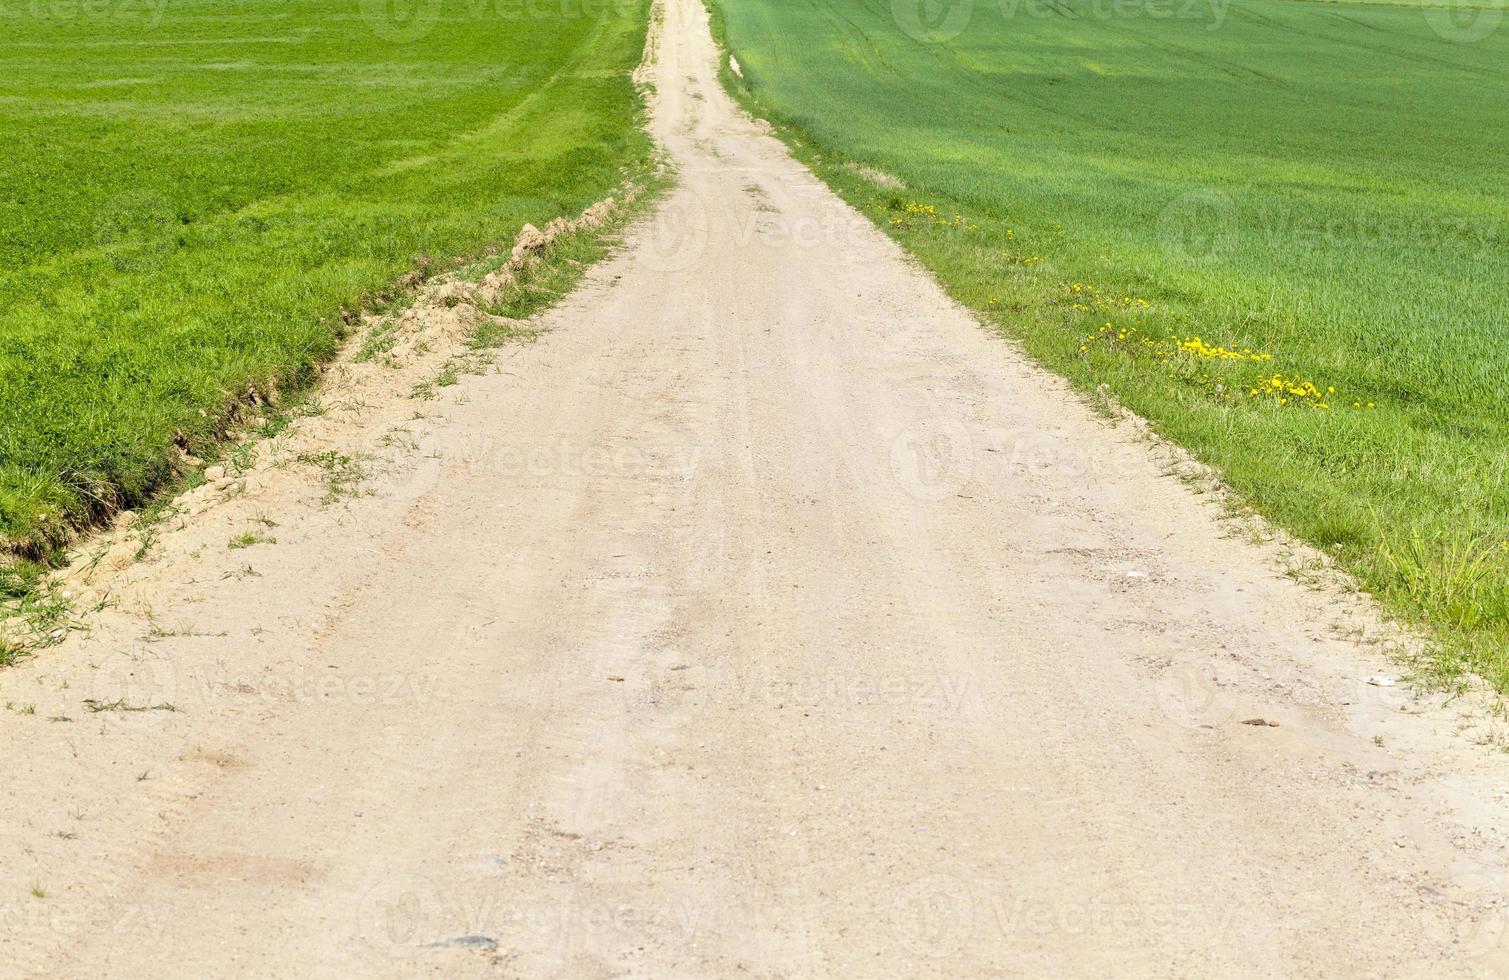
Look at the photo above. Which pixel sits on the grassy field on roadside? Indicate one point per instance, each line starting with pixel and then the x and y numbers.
pixel 192 192
pixel 1277 229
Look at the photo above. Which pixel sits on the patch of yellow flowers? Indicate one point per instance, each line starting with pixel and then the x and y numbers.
pixel 1087 296
pixel 1199 348
pixel 1184 355
pixel 1286 389
pixel 927 214
pixel 1025 259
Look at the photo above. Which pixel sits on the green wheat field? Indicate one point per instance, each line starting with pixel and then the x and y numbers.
pixel 192 191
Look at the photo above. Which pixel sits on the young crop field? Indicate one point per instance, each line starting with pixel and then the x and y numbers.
pixel 1276 229
pixel 192 192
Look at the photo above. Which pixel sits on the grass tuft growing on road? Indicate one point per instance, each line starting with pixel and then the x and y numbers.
pixel 1276 229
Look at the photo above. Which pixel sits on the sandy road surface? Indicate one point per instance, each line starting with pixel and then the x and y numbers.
pixel 764 618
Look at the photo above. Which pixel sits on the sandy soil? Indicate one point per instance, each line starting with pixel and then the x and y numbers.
pixel 765 617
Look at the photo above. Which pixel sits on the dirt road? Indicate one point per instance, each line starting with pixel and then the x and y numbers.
pixel 766 617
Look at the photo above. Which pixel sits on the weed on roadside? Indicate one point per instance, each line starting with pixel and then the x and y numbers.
pixel 247 539
pixel 380 340
pixel 343 475
pixel 120 705
pixel 448 375
pixel 34 613
pixel 149 525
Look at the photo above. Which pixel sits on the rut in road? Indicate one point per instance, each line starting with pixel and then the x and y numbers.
pixel 766 617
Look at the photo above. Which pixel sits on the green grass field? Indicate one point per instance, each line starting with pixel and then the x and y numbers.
pixel 1277 229
pixel 192 192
